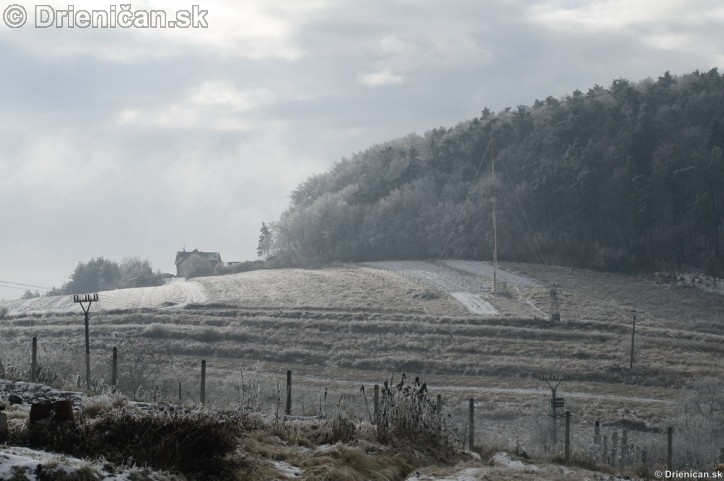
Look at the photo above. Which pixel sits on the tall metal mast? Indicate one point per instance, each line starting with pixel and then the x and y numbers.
pixel 495 229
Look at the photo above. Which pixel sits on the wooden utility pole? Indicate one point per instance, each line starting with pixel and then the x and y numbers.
pixel 633 333
pixel 82 300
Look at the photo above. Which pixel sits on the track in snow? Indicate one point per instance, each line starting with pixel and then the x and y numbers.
pixel 474 303
pixel 485 270
pixel 463 280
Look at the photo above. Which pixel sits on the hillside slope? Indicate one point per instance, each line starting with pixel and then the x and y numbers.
pixel 416 317
pixel 624 178
pixel 341 328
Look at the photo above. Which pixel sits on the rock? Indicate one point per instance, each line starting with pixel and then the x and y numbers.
pixel 15 399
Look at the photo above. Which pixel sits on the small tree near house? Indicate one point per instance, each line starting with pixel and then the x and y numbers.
pixel 264 246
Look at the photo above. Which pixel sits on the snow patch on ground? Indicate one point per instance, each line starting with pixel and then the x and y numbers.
pixel 436 276
pixel 175 294
pixel 10 463
pixel 485 270
pixel 503 459
pixel 706 283
pixel 287 469
pixel 467 281
pixel 31 393
pixel 467 474
pixel 474 303
pixel 16 460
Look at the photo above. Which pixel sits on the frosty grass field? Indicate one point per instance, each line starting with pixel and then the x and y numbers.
pixel 344 326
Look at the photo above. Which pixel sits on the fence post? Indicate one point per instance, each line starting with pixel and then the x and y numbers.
pixel 669 457
pixel 471 422
pixel 34 362
pixel 614 448
pixel 288 410
pixel 644 458
pixel 721 455
pixel 605 449
pixel 377 403
pixel 155 393
pixel 180 396
pixel 3 426
pixel 114 369
pixel 438 432
pixel 624 449
pixel 597 433
pixel 568 437
pixel 203 382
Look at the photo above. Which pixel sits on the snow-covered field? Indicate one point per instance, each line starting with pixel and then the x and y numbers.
pixel 485 270
pixel 469 282
pixel 175 294
pixel 436 276
pixel 474 303
pixel 347 288
pixel 450 287
pixel 355 287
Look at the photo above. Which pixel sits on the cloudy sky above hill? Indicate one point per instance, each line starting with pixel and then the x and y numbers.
pixel 139 142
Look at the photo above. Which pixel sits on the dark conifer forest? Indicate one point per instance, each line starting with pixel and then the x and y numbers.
pixel 628 177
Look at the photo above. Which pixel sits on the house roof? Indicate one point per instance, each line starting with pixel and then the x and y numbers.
pixel 209 256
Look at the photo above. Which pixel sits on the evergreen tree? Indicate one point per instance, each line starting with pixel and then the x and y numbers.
pixel 263 249
pixel 627 177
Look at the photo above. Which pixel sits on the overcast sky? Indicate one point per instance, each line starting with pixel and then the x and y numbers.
pixel 139 142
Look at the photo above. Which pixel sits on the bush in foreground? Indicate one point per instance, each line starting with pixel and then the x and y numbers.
pixel 195 443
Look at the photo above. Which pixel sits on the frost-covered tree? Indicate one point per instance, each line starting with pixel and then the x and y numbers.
pixel 264 246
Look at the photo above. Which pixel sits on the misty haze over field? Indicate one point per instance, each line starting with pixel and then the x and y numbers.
pixel 141 142
pixel 372 240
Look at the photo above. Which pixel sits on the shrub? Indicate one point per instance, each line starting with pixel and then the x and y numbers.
pixel 195 443
pixel 342 430
pixel 408 412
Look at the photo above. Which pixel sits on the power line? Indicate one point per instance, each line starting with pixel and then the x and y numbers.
pixel 532 233
pixel 25 285
pixel 525 233
pixel 467 197
pixel 13 287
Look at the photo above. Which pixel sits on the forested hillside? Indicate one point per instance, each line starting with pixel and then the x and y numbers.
pixel 622 178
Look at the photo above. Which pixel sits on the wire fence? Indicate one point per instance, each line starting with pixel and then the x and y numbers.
pixel 143 373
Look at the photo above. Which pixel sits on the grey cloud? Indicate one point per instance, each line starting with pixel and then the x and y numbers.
pixel 150 187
